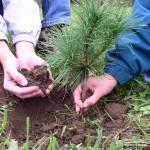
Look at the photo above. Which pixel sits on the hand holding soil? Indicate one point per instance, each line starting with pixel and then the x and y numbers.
pixel 34 68
pixel 40 77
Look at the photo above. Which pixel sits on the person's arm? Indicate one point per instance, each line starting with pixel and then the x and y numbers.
pixel 129 59
pixel 23 20
pixel 13 81
pixel 3 29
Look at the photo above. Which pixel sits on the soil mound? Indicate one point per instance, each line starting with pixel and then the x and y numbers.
pixel 116 122
pixel 116 110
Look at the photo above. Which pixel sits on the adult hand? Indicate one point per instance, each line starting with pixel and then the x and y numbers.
pixel 98 86
pixel 13 80
pixel 28 60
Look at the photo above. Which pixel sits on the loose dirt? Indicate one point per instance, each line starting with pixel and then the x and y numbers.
pixel 55 114
pixel 38 77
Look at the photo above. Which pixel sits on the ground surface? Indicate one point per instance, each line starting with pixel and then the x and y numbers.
pixel 54 114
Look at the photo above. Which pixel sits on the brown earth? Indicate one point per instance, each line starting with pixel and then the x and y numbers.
pixel 55 114
pixel 39 77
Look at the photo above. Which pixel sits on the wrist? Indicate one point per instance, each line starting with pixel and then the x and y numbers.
pixel 5 53
pixel 110 77
pixel 24 49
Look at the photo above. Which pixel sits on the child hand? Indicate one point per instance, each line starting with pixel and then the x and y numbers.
pixel 99 86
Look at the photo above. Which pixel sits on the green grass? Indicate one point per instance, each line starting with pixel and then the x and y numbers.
pixel 4 120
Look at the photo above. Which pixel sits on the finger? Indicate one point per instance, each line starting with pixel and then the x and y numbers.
pixel 21 90
pixel 49 89
pixel 77 109
pixel 77 96
pixel 37 91
pixel 18 77
pixel 93 99
pixel 35 94
pixel 50 76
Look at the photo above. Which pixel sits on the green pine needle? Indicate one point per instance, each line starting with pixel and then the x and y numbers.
pixel 82 46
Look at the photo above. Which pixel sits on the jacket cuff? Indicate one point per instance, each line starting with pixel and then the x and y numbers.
pixel 119 73
pixel 24 37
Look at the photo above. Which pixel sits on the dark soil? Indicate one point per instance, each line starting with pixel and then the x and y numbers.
pixel 51 115
pixel 38 77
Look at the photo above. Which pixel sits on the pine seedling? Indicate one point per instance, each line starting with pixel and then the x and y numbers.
pixel 82 46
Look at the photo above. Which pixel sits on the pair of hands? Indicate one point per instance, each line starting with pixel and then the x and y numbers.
pixel 14 81
pixel 98 87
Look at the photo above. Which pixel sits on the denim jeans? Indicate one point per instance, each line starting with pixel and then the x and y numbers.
pixel 55 12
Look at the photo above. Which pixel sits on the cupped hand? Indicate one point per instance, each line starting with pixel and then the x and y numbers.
pixel 28 60
pixel 98 86
pixel 16 83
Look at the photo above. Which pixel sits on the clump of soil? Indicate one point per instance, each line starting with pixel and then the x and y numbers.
pixel 51 115
pixel 116 122
pixel 39 76
pixel 116 110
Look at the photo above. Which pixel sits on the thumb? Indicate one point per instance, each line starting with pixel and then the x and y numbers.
pixel 18 77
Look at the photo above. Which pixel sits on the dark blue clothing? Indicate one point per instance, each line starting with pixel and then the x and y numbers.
pixel 131 56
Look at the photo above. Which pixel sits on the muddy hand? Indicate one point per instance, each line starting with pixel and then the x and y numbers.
pixel 99 86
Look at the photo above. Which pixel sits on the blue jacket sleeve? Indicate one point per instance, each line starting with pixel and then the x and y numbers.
pixel 131 56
